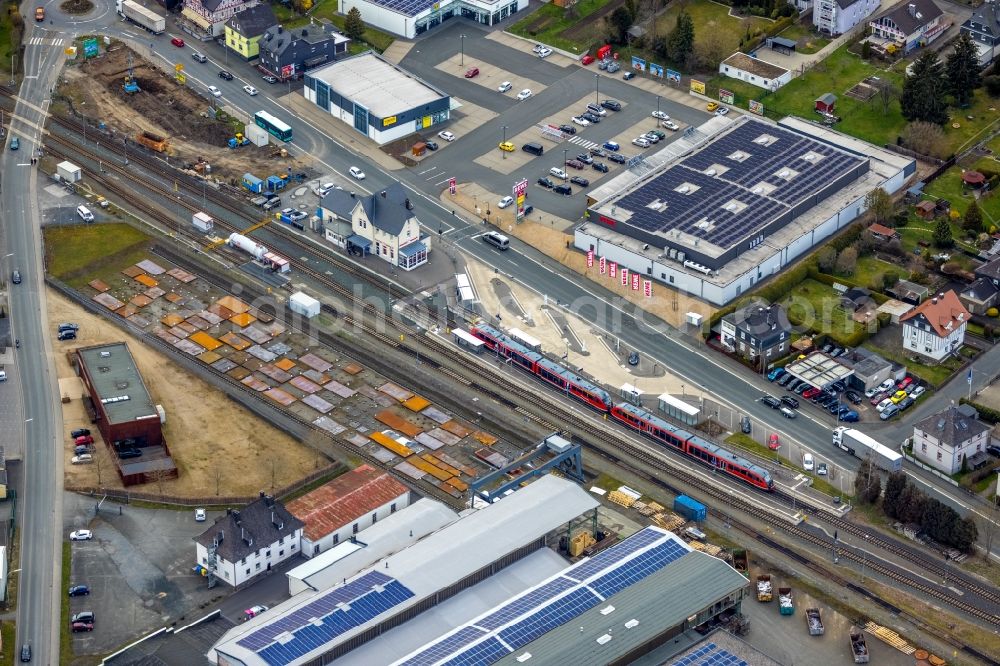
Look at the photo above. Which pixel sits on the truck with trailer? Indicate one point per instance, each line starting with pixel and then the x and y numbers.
pixel 859 648
pixel 860 445
pixel 764 590
pixel 815 622
pixel 690 509
pixel 785 601
pixel 142 17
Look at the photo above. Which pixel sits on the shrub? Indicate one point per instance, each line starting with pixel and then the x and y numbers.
pixel 992 85
pixel 992 312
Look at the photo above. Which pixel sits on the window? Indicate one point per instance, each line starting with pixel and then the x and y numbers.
pixel 316 549
pixel 248 571
pixel 336 539
pixel 226 574
pixel 293 546
pixel 281 541
pixel 281 553
pixel 258 566
pixel 374 517
pixel 671 279
pixel 923 447
pixel 939 455
pixel 392 508
pixel 355 528
pixel 269 554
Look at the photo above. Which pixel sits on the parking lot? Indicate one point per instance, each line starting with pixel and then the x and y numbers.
pixel 560 90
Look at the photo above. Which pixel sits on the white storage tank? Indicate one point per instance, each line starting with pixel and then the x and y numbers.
pixel 203 222
pixel 251 247
pixel 69 172
pixel 258 135
pixel 303 304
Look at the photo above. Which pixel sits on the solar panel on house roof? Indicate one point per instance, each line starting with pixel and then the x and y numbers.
pixel 407 7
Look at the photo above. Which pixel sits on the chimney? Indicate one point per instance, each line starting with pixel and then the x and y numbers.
pixel 352 195
pixel 260 494
pixel 305 32
pixel 409 206
pixel 912 8
pixel 383 194
pixel 279 29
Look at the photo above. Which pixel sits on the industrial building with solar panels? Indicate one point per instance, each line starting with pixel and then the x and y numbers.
pixel 733 202
pixel 409 18
pixel 490 587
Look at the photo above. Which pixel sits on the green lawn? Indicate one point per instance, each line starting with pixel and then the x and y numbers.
pixel 710 18
pixel 327 9
pixel 79 253
pixel 571 31
pixel 935 375
pixel 817 306
pixel 949 186
pixel 7 46
pixel 813 42
pixel 870 267
pixel 923 230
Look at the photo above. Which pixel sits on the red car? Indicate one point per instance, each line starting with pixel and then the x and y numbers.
pixel 773 443
pixel 879 397
pixel 904 382
pixel 810 393
pixel 83 440
pixel 178 42
pixel 587 59
pixel 472 73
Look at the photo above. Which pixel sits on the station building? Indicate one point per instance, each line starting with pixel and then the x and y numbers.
pixel 733 202
pixel 377 98
pixel 409 18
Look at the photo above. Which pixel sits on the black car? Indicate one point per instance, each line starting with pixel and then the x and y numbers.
pixel 431 145
pixel 794 384
pixel 592 118
pixel 597 151
pixel 129 453
pixel 577 180
pixel 528 209
pixel 79 432
pixel 611 105
pixel 633 358
pixel 745 425
pixel 564 190
pixel 802 388
pixel 15 277
pixel 617 158
pixel 26 653
pixel 837 387
pixel 993 450
pixel 790 401
pixel 783 381
pixel 853 397
pixel 223 74
pixel 600 166
pixel 567 129
pixel 79 591
pixel 834 407
pixel 546 183
pixel 585 158
pixel 67 335
pixel 771 401
pixel 825 400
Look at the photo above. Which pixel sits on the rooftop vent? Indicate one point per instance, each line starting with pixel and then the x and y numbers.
pixel 105 354
pixel 603 639
pixel 632 624
pixel 684 189
pixel 711 172
pixel 103 368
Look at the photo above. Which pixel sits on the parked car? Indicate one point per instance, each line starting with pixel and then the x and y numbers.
pixel 82 459
pixel 821 469
pixel 585 158
pixel 597 151
pixel 523 95
pixel 771 401
pixel 853 397
pixel 851 417
pixel 558 173
pixel 811 392
pixel 84 616
pixel 580 180
pixel 746 426
pixel 878 397
pixel 66 335
pixel 775 373
pixel 993 450
pixel 15 143
pixel 79 432
pixel 889 412
pixel 431 145
pixel 897 397
pixel 802 388
pixel 670 125
pixel 790 401
pixel 785 379
pixel 506 201
pixel 906 403
pixel 77 627
pixel 129 453
pixel 506 146
pixel 544 52
pixel 79 590
pixel 612 104
pixel 722 110
pixel 904 382
pixel 888 384
pixel 881 407
pixel 446 135
pixel 587 59
pixel 600 166
pixel 546 183
pixel 581 121
pixel 564 190
pixel 472 72
pixel 794 384
pixel 199 515
pixel 356 173
pixel 567 129
pixel 83 439
pixel 917 392
pixel 253 611
pixel 591 118
pixel 652 138
pixel 629 75
pixel 633 358
pixel 268 78
pixel 807 462
pixel 773 442
pixel 834 407
pixel 827 348
pixel 617 158
pixel 611 145
pixel 712 106
pixel 575 164
pixel 505 86
pixel 640 142
pixel 870 393
pixel 660 115
pixel 81 535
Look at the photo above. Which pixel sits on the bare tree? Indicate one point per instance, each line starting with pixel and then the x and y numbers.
pixel 217 476
pixel 711 47
pixel 926 138
pixel 885 96
pixel 159 476
pixel 276 469
pixel 99 468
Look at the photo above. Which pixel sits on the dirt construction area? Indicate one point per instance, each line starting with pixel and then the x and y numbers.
pixel 206 432
pixel 164 107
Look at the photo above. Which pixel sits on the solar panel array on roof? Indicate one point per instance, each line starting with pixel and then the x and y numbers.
pixel 554 603
pixel 406 7
pixel 318 622
pixel 735 185
pixel 710 655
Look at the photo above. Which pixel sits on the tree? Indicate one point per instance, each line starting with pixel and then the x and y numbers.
pixel 867 483
pixel 924 91
pixel 992 84
pixel 354 27
pixel 926 138
pixel 712 48
pixel 886 94
pixel 894 487
pixel 910 505
pixel 620 22
pixel 964 72
pixel 972 221
pixel 217 477
pixel 879 204
pixel 942 234
pixel 680 42
pixel 826 259
pixel 847 260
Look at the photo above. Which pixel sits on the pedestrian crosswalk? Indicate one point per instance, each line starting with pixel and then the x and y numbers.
pixel 580 141
pixel 42 41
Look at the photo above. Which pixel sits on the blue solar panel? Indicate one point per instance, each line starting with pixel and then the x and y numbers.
pixel 531 600
pixel 638 568
pixel 710 655
pixel 311 636
pixel 263 636
pixel 406 7
pixel 617 552
pixel 555 614
pixel 447 646
pixel 486 652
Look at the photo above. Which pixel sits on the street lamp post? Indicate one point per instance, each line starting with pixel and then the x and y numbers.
pixel 505 141
pixel 597 87
pixel 462 64
pixel 657 119
pixel 565 175
pixel 83 123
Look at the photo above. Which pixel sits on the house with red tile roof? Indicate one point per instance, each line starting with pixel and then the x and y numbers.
pixel 340 509
pixel 936 327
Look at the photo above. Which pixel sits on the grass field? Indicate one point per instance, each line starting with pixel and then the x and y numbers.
pixel 79 253
pixel 817 307
pixel 7 47
pixel 710 18
pixel 577 32
pixel 949 186
pixel 812 42
pixel 934 374
pixel 869 267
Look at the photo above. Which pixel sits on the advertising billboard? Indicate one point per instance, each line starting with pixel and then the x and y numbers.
pixel 520 192
pixel 647 288
pixel 90 48
pixel 697 86
pixel 451 185
pixel 756 107
pixel 656 70
pixel 624 277
pixel 638 64
pixel 726 96
pixel 613 271
pixel 673 76
pixel 590 258
pixel 635 282
pixel 604 265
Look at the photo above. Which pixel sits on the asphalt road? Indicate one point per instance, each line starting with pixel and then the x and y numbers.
pixel 41 534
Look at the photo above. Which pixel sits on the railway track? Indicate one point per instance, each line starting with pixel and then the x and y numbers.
pixel 502 387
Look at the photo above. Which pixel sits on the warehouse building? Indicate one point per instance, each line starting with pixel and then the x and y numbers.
pixel 376 97
pixel 733 202
pixel 409 18
pixel 507 538
pixel 346 506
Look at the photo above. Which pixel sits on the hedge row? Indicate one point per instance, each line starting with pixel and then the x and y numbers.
pixel 988 414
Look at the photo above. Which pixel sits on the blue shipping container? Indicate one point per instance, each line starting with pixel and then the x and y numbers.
pixel 690 509
pixel 253 183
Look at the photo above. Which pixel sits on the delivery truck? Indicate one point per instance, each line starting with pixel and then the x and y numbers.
pixel 142 17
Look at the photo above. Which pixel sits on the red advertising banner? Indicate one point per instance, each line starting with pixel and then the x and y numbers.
pixel 647 288
pixel 613 270
pixel 624 277
pixel 451 185
pixel 635 282
pixel 590 258
pixel 604 265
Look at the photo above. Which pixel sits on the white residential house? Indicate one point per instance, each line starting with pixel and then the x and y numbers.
pixel 936 327
pixel 244 544
pixel 984 28
pixel 943 440
pixel 338 510
pixel 836 17
pixel 382 224
pixel 211 15
pixel 911 24
pixel 754 70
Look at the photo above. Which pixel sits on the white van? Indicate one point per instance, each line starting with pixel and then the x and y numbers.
pixel 85 213
pixel 498 241
pixel 808 464
pixel 558 173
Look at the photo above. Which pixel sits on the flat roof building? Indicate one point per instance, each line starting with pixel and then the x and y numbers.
pixel 376 97
pixel 409 18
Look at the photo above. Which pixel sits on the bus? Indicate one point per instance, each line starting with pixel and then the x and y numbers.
pixel 273 126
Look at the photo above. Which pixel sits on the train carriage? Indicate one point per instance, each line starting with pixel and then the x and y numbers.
pixel 651 425
pixel 728 462
pixel 574 385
